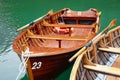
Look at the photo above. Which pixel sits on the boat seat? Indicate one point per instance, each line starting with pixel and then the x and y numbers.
pixel 104 69
pixel 68 25
pixel 111 50
pixel 58 37
pixel 32 35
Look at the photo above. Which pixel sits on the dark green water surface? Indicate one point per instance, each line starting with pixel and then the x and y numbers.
pixel 16 13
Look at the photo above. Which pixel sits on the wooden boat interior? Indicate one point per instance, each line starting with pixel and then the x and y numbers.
pixel 101 60
pixel 41 35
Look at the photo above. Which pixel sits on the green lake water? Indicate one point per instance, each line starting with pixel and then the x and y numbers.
pixel 16 13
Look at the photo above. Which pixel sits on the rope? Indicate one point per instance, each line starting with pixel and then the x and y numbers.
pixel 23 64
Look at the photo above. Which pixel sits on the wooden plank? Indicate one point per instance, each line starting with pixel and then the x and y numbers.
pixel 57 37
pixel 104 69
pixel 68 25
pixel 111 49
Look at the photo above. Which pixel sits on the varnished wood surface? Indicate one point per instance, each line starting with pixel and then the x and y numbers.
pixel 71 25
pixel 44 33
pixel 51 66
pixel 87 14
pixel 58 37
pixel 53 49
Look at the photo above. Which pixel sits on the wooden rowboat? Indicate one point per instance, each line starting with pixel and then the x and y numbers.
pixel 100 61
pixel 53 38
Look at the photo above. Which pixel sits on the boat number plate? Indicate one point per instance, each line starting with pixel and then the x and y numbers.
pixel 36 65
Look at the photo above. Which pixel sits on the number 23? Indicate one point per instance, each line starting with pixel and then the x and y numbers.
pixel 36 65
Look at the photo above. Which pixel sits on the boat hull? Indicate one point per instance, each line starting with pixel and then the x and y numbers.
pixel 48 67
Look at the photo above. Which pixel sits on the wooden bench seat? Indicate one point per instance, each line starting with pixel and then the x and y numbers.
pixel 58 37
pixel 104 69
pixel 71 25
pixel 111 50
pixel 68 25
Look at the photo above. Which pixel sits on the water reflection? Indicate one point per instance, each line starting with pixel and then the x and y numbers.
pixel 9 61
pixel 9 64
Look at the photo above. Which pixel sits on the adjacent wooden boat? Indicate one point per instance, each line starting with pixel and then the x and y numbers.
pixel 53 38
pixel 100 59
